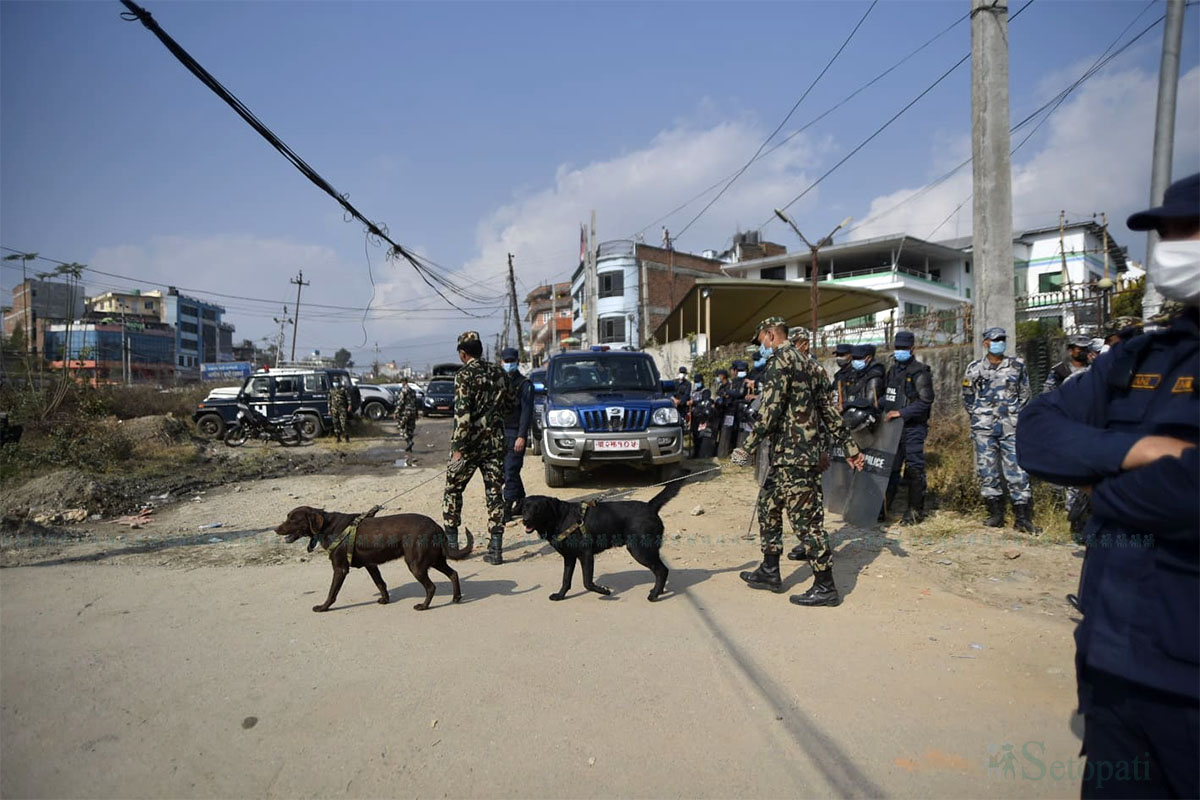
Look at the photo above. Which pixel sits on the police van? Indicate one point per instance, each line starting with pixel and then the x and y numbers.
pixel 607 407
pixel 276 393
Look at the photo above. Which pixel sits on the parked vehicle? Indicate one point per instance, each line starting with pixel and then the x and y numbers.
pixel 446 370
pixel 439 398
pixel 252 425
pixel 608 407
pixel 377 401
pixel 538 378
pixel 275 393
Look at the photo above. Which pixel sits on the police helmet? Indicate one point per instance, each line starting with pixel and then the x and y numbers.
pixel 856 419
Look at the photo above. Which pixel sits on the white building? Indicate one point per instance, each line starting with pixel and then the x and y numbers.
pixel 923 278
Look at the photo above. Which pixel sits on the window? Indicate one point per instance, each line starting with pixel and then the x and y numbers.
pixel 564 313
pixel 612 329
pixel 545 317
pixel 968 292
pixel 210 314
pixel 612 284
pixel 187 311
pixel 865 321
pixel 260 387
pixel 315 383
pixel 967 266
pixel 188 327
pixel 1050 282
pixel 773 273
pixel 149 305
pixel 287 384
pixel 914 308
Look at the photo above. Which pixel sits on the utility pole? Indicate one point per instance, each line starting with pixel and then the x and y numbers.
pixel 282 321
pixel 1164 136
pixel 300 284
pixel 593 319
pixel 992 168
pixel 516 313
pixel 814 276
pixel 553 320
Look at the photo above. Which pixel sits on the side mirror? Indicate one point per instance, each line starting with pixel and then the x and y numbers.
pixel 539 388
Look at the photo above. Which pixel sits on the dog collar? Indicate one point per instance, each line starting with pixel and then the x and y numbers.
pixel 351 532
pixel 578 526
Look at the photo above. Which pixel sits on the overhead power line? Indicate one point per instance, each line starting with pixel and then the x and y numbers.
pixel 782 122
pixel 433 275
pixel 883 127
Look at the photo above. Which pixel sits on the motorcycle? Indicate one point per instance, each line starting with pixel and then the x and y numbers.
pixel 251 424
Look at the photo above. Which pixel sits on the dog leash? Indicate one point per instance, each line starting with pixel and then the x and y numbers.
pixel 395 497
pixel 602 496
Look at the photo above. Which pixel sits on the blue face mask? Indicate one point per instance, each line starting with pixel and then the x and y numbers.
pixel 741 374
pixel 509 366
pixel 997 348
pixel 759 363
pixel 859 364
pixel 903 355
pixel 766 352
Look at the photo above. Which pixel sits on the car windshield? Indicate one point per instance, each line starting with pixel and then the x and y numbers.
pixel 603 374
pixel 441 387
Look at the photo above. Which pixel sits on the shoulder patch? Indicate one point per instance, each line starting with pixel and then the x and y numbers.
pixel 966 382
pixel 1146 380
pixel 1184 384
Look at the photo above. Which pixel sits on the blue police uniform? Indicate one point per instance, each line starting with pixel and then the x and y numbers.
pixel 516 426
pixel 909 390
pixel 1138 646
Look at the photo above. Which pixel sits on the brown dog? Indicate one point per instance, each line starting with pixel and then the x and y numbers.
pixel 415 537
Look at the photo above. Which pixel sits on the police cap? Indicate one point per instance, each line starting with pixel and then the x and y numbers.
pixel 1078 341
pixel 904 340
pixel 841 349
pixel 739 365
pixel 862 350
pixel 995 334
pixel 1181 201
pixel 509 354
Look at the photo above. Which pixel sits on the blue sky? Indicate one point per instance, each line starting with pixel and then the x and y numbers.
pixel 477 129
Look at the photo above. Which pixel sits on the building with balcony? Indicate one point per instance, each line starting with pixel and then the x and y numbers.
pixel 549 318
pixel 198 331
pixel 926 279
pixel 637 286
pixel 127 304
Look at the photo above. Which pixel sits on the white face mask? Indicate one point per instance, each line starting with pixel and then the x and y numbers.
pixel 1175 270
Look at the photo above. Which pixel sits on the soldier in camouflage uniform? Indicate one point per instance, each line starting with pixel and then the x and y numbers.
pixel 799 422
pixel 406 412
pixel 339 410
pixel 481 402
pixel 995 388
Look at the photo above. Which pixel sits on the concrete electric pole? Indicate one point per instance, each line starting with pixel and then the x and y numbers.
pixel 516 314
pixel 300 284
pixel 1164 135
pixel 992 166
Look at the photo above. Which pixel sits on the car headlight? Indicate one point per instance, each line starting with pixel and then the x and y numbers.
pixel 428 401
pixel 562 418
pixel 665 416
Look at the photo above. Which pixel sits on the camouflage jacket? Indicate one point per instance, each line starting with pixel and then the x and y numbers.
pixel 994 394
pixel 796 416
pixel 406 403
pixel 339 400
pixel 480 404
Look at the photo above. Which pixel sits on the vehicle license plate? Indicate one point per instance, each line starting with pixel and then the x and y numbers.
pixel 617 444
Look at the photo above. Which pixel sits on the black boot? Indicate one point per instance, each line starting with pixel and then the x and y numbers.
pixel 508 511
pixel 797 553
pixel 767 574
pixel 495 551
pixel 916 498
pixel 823 592
pixel 452 536
pixel 1023 518
pixel 518 507
pixel 995 507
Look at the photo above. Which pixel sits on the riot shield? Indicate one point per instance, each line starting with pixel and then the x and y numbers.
pixel 858 496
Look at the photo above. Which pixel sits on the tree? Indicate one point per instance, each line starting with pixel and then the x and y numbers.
pixel 1129 303
pixel 341 359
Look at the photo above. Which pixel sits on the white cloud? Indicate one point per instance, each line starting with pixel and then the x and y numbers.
pixel 1092 155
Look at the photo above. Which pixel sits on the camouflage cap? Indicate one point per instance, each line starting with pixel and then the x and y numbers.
pixel 468 336
pixel 769 322
pixel 798 334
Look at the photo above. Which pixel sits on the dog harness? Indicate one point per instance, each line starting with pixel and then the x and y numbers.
pixel 578 526
pixel 351 532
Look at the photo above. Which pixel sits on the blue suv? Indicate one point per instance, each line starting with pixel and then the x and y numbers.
pixel 607 407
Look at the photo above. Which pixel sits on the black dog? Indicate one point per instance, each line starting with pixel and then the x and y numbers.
pixel 579 531
pixel 417 539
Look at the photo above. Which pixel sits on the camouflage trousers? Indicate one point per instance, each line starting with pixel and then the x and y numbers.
pixel 996 455
pixel 339 422
pixel 459 474
pixel 796 490
pixel 408 425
